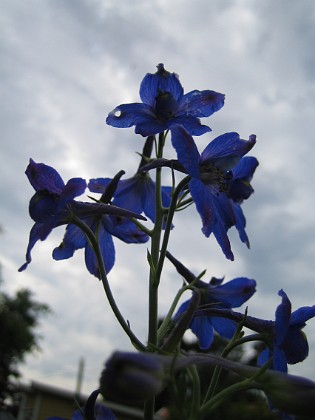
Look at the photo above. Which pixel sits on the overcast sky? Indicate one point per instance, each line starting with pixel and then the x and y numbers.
pixel 66 64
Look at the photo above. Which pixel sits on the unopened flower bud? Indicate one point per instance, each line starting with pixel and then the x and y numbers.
pixel 131 377
pixel 289 393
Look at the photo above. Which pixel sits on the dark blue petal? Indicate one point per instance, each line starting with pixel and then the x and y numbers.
pixel 182 308
pixel 44 177
pixel 226 150
pixel 127 115
pixel 239 187
pixel 138 195
pixel 160 82
pixel 201 103
pixel 73 188
pixel 43 206
pixel 107 250
pixel 74 239
pixel 224 327
pixel 295 346
pixel 98 185
pixel 203 199
pixel 233 293
pixel 124 229
pixel 240 223
pixel 191 124
pixel 245 168
pixel 220 234
pixel 203 329
pixel 39 231
pixel 263 357
pixel 150 125
pixel 186 149
pixel 301 315
pixel 279 361
pixel 282 318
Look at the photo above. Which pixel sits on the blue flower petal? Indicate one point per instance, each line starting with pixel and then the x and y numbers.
pixel 245 168
pixel 203 329
pixel 187 152
pixel 73 240
pixel 39 231
pixel 160 82
pixel 223 240
pixel 226 150
pixel 201 103
pixel 98 185
pixel 124 229
pixel 301 315
pixel 233 293
pixel 107 250
pixel 203 199
pixel 295 346
pixel 73 188
pixel 127 115
pixel 191 124
pixel 240 223
pixel 44 177
pixel 279 361
pixel 282 318
pixel 149 126
pixel 263 357
pixel 223 326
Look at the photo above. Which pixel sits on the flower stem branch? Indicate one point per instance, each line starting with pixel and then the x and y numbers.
pixel 103 276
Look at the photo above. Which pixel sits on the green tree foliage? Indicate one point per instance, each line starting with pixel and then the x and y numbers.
pixel 19 319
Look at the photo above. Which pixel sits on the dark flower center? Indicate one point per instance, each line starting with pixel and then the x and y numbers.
pixel 210 174
pixel 165 106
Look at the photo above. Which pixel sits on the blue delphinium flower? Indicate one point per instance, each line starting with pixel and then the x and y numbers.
pixel 285 341
pixel 49 206
pixel 137 193
pixel 217 295
pixel 105 226
pixel 164 104
pixel 53 205
pixel 219 181
pixel 288 342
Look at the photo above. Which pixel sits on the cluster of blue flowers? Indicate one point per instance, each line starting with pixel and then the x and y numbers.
pixel 216 180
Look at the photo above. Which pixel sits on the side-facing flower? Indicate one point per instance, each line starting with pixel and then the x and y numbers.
pixel 285 341
pixel 219 181
pixel 104 226
pixel 288 343
pixel 215 295
pixel 138 193
pixel 53 205
pixel 49 206
pixel 164 104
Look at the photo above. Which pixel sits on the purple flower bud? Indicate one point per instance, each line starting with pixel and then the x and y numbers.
pixel 132 377
pixel 289 393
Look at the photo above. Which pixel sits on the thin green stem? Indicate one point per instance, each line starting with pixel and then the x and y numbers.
pixel 217 370
pixel 154 279
pixel 92 239
pixel 221 396
pixel 164 326
pixel 169 222
pixel 195 400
